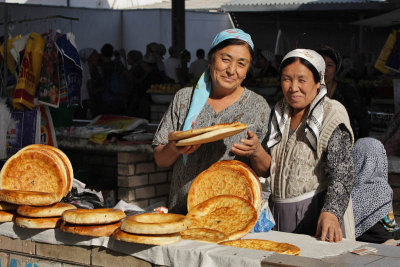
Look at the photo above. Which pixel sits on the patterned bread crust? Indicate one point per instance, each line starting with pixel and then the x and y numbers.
pixel 93 216
pixel 90 230
pixel 231 215
pixel 21 197
pixel 6 216
pixel 259 244
pixel 55 210
pixel 194 132
pixel 35 170
pixel 212 136
pixel 7 206
pixel 38 223
pixel 63 157
pixel 155 223
pixel 147 239
pixel 203 234
pixel 255 182
pixel 222 180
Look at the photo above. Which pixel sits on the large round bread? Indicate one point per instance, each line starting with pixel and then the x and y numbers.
pixel 93 216
pixel 55 210
pixel 7 206
pixel 155 223
pixel 147 239
pixel 6 216
pixel 34 170
pixel 90 230
pixel 194 132
pixel 282 248
pixel 203 234
pixel 33 198
pixel 63 157
pixel 224 180
pixel 255 182
pixel 212 136
pixel 231 215
pixel 38 223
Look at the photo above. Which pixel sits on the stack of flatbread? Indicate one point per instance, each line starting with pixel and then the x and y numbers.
pixel 7 211
pixel 44 217
pixel 207 134
pixel 92 222
pixel 223 202
pixel 38 175
pixel 152 228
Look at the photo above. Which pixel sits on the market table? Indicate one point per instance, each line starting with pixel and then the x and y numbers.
pixel 189 253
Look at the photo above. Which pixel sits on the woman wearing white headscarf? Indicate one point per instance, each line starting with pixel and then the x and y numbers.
pixel 372 195
pixel 310 147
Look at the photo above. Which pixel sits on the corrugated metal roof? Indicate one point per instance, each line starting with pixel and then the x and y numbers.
pixel 287 5
pixel 189 5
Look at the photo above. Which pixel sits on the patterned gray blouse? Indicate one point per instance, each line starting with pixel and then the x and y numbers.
pixel 251 109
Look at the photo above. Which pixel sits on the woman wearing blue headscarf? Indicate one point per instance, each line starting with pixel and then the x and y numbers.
pixel 217 98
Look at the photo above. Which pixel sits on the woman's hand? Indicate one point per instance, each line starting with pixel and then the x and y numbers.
pixel 251 147
pixel 328 227
pixel 181 149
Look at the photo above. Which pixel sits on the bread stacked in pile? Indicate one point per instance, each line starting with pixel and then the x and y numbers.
pixel 32 182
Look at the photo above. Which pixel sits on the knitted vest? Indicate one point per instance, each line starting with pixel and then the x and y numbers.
pixel 296 168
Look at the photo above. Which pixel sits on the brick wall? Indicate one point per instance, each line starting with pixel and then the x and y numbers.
pixel 140 181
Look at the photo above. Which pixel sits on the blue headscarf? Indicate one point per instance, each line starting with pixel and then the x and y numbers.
pixel 203 86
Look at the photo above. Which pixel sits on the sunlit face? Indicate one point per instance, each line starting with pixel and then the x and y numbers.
pixel 229 67
pixel 330 69
pixel 298 85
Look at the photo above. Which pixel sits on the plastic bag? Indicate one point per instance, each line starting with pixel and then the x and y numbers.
pixel 265 221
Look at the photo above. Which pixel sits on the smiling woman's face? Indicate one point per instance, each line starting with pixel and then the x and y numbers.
pixel 229 67
pixel 298 85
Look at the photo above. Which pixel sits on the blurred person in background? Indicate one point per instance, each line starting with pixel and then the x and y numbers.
pixel 198 66
pixel 172 63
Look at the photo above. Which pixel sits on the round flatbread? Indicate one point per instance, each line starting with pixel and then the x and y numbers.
pixel 203 234
pixel 38 223
pixel 212 136
pixel 194 132
pixel 90 230
pixel 64 158
pixel 282 248
pixel 147 239
pixel 6 216
pixel 33 198
pixel 231 215
pixel 93 216
pixel 34 170
pixel 7 206
pixel 55 210
pixel 224 180
pixel 255 182
pixel 155 223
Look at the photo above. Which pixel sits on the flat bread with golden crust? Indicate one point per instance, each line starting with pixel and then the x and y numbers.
pixel 34 170
pixel 93 216
pixel 259 244
pixel 231 215
pixel 212 136
pixel 7 206
pixel 38 223
pixel 90 230
pixel 155 223
pixel 157 240
pixel 64 158
pixel 194 132
pixel 6 216
pixel 204 235
pixel 33 198
pixel 55 210
pixel 255 182
pixel 222 180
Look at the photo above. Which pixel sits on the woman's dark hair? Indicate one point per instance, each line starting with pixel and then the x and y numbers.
pixel 328 51
pixel 226 43
pixel 303 61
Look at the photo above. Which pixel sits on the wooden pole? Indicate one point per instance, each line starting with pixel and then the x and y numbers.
pixel 178 24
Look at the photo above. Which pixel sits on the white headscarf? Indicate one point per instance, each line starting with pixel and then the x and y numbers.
pixel 281 111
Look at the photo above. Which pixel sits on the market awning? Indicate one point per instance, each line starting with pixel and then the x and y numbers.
pixel 293 5
pixel 383 20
